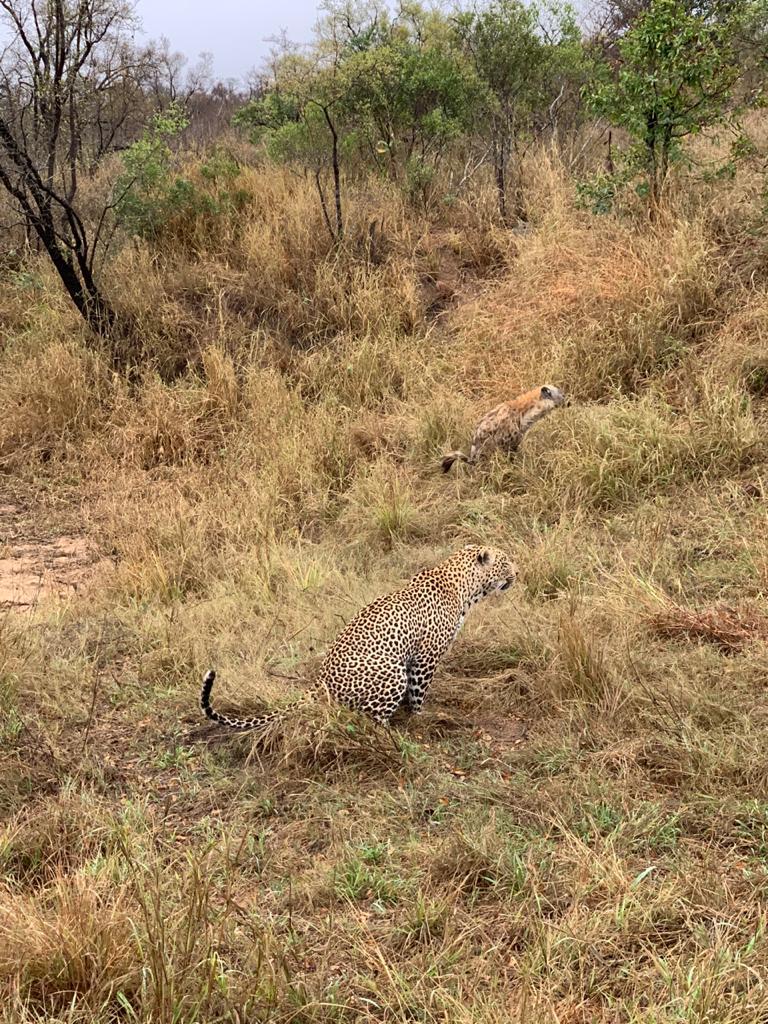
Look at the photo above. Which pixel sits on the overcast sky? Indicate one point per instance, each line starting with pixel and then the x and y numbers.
pixel 234 31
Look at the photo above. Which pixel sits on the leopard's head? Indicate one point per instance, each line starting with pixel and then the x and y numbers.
pixel 489 571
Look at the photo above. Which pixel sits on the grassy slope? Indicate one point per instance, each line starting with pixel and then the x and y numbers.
pixel 608 867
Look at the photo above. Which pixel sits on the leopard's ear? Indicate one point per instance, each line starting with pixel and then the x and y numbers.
pixel 484 556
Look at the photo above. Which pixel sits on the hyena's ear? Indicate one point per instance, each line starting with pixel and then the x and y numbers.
pixel 484 556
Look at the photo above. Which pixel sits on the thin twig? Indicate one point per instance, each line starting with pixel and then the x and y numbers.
pixel 90 712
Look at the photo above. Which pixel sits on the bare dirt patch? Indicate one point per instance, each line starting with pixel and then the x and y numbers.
pixel 34 567
pixel 502 733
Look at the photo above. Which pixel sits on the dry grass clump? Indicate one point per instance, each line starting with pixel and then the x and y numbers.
pixel 383 507
pixel 279 269
pixel 324 739
pixel 38 848
pixel 189 419
pixel 740 349
pixel 729 629
pixel 51 399
pixel 93 947
pixel 491 854
pixel 591 306
pixel 368 371
pixel 34 310
pixel 71 946
pixel 587 673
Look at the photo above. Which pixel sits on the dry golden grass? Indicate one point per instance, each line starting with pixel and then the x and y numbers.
pixel 577 828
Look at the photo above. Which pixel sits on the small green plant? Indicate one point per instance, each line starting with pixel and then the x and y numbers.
pixel 751 827
pixel 394 514
pixel 176 757
pixel 663 837
pixel 373 853
pixel 148 191
pixel 425 923
pixel 10 725
pixel 362 878
pixel 419 177
pixel 599 192
pixel 410 750
pixel 598 820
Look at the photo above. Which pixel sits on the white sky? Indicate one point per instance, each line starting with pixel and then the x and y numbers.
pixel 234 31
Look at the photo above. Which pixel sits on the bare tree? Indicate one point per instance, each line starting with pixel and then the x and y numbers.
pixel 211 111
pixel 68 76
pixel 171 77
pixel 607 21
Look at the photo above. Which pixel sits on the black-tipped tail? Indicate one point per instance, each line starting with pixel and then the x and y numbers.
pixel 231 723
pixel 205 695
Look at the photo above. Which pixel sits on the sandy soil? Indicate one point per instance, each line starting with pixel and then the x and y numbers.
pixel 34 567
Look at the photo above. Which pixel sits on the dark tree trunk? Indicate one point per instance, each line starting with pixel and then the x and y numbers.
pixel 336 176
pixel 67 250
pixel 609 167
pixel 651 148
pixel 82 289
pixel 339 233
pixel 324 206
pixel 337 188
pixel 663 164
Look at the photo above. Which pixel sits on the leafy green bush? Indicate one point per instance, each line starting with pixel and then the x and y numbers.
pixel 678 68
pixel 598 193
pixel 150 192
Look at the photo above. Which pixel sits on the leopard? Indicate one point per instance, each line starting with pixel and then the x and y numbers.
pixel 505 426
pixel 386 656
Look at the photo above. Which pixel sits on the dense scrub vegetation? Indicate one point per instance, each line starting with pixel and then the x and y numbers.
pixel 576 829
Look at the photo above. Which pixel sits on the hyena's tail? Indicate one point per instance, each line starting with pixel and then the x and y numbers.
pixel 451 457
pixel 233 723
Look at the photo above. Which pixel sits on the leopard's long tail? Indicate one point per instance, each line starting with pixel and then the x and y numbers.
pixel 236 723
pixel 451 457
